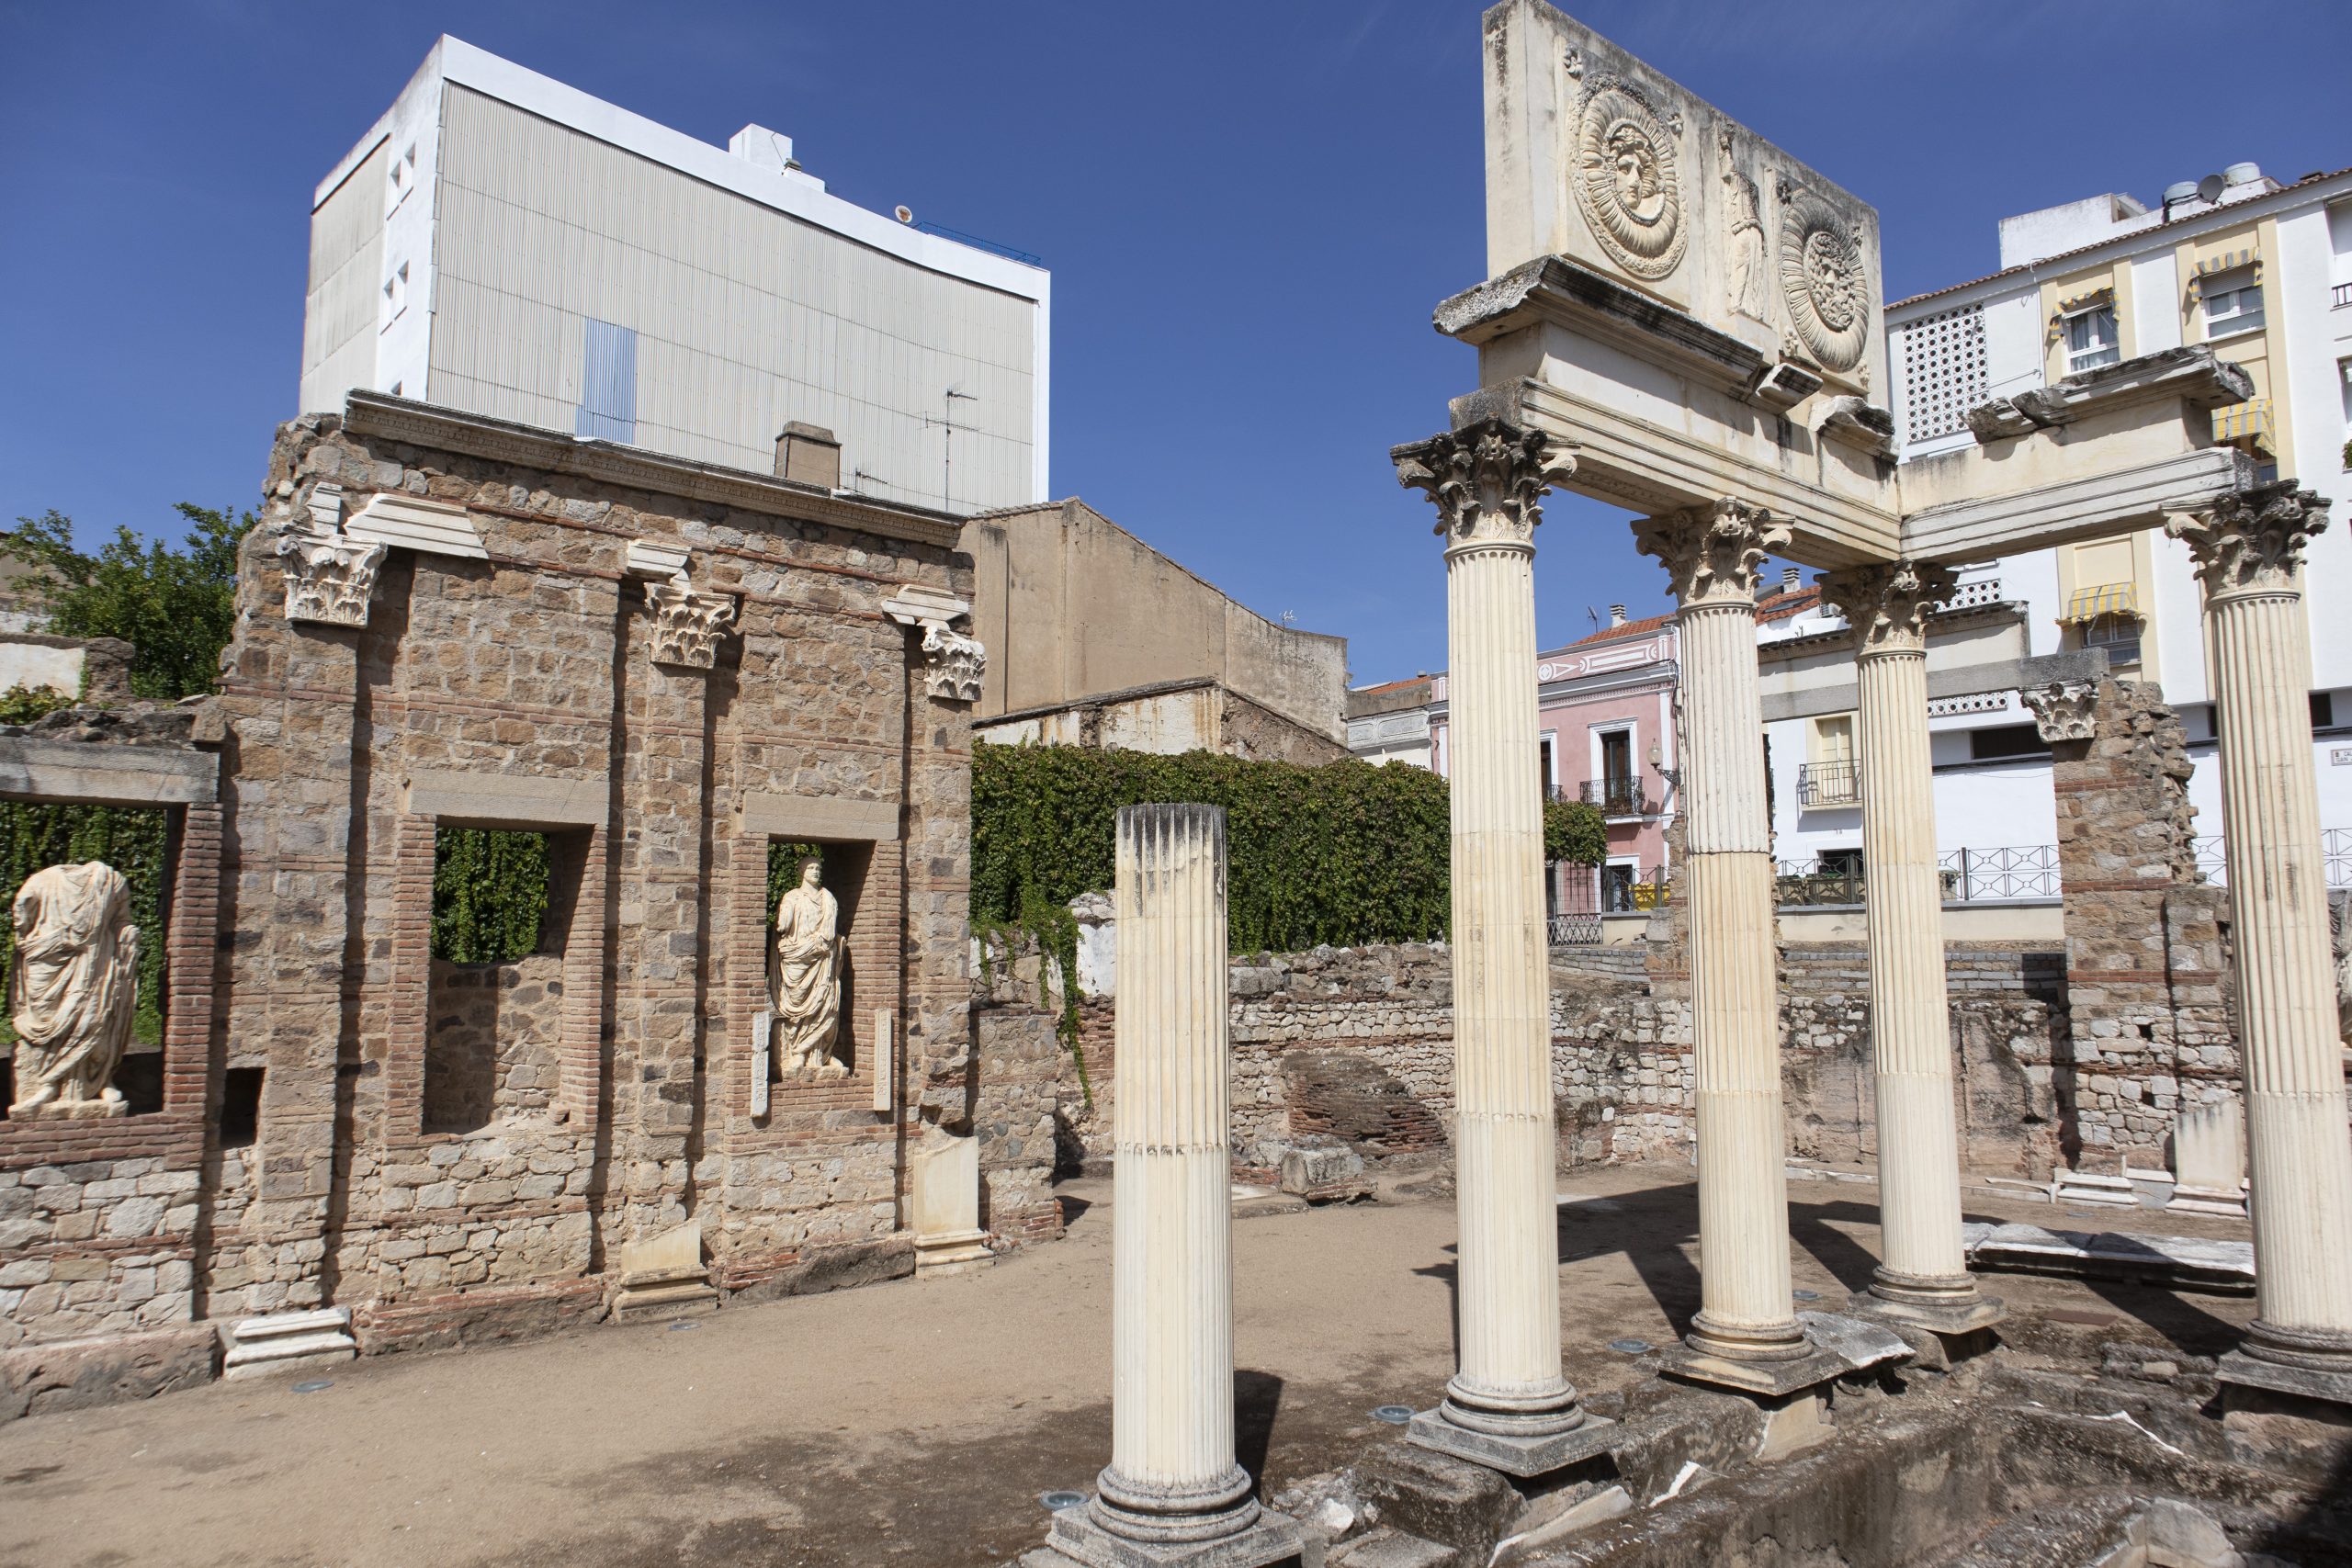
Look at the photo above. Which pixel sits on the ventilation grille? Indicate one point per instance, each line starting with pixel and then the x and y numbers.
pixel 1943 372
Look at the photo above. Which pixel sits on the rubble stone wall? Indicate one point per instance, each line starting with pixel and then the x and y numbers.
pixel 1357 1044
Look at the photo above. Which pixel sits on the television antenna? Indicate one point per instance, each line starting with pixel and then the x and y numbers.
pixel 946 423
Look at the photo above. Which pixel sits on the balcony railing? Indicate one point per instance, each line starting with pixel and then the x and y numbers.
pixel 1799 884
pixel 1617 797
pixel 1829 783
pixel 2335 848
pixel 2015 871
pixel 2340 296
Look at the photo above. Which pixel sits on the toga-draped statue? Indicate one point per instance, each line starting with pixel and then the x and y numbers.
pixel 76 985
pixel 808 950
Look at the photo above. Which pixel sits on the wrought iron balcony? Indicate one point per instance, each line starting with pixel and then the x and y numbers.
pixel 1618 797
pixel 1829 783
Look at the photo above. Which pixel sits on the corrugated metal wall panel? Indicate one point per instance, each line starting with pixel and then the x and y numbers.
pixel 744 318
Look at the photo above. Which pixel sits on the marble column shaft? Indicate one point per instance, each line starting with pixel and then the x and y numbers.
pixel 2248 550
pixel 1485 481
pixel 1714 554
pixel 1172 1475
pixel 1923 1262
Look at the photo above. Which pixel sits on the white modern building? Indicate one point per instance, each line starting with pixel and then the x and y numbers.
pixel 2260 273
pixel 504 244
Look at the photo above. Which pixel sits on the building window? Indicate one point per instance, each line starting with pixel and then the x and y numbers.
pixel 403 177
pixel 1546 780
pixel 396 294
pixel 2000 742
pixel 2092 340
pixel 2322 710
pixel 2233 303
pixel 609 382
pixel 2119 633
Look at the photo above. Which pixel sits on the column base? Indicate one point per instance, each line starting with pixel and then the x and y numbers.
pixel 1775 1376
pixel 1940 1329
pixel 1130 1523
pixel 1525 1454
pixel 1269 1538
pixel 2308 1363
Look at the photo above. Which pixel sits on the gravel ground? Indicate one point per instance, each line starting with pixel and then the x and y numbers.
pixel 911 1422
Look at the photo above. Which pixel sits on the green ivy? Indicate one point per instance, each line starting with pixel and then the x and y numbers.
pixel 785 861
pixel 489 895
pixel 1346 853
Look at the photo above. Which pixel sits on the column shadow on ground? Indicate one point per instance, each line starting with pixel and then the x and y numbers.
pixel 1257 1398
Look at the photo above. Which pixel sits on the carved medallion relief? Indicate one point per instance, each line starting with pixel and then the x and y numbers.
pixel 1627 181
pixel 1823 281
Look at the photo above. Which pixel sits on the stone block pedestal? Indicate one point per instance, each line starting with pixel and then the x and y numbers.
pixel 664 1278
pixel 288 1342
pixel 1269 1538
pixel 1525 1457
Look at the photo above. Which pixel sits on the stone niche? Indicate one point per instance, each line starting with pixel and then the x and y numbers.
pixel 1594 156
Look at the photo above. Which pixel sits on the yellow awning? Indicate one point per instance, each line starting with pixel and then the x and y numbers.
pixel 2240 421
pixel 2108 599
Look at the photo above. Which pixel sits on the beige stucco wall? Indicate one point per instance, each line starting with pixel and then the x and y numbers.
pixel 1072 606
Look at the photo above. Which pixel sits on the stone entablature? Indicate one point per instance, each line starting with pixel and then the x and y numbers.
pixel 513 660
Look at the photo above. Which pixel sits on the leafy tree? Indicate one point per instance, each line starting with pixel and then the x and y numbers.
pixel 174 606
pixel 1572 832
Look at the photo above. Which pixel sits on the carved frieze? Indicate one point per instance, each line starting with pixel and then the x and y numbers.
pixel 688 623
pixel 329 577
pixel 1887 603
pixel 1824 281
pixel 1487 480
pixel 2065 710
pixel 2251 542
pixel 1713 553
pixel 1627 181
pixel 954 662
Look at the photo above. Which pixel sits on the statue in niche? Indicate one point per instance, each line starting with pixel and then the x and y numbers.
pixel 76 984
pixel 809 952
pixel 1749 282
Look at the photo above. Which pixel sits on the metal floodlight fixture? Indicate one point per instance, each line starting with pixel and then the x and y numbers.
pixel 903 213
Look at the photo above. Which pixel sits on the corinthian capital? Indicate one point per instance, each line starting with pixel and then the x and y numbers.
pixel 955 663
pixel 1713 552
pixel 2065 710
pixel 1887 603
pixel 688 623
pixel 330 576
pixel 2251 541
pixel 1487 480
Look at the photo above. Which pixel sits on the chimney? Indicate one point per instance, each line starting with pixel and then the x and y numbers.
pixel 1789 576
pixel 807 453
pixel 1616 614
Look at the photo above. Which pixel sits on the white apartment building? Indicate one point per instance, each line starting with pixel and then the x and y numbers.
pixel 2260 272
pixel 502 244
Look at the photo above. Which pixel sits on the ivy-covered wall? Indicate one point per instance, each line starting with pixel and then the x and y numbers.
pixel 1345 853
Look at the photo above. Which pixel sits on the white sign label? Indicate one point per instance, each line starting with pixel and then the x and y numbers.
pixel 2341 757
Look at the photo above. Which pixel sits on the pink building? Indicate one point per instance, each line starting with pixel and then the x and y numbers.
pixel 1605 711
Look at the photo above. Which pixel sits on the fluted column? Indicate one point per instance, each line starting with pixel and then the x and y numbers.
pixel 1172 1475
pixel 1923 1271
pixel 2248 550
pixel 1713 553
pixel 1508 1403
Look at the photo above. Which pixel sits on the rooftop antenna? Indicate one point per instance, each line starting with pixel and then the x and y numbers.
pixel 1593 616
pixel 946 423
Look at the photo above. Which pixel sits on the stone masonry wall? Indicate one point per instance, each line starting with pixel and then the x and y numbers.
pixel 459 1153
pixel 1357 1044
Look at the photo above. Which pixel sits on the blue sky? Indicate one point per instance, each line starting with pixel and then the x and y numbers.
pixel 1248 205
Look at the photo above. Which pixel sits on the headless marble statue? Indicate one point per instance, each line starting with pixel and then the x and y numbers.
pixel 75 985
pixel 808 950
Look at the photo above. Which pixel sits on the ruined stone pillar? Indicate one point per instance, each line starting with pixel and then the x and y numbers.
pixel 1508 1405
pixel 2249 549
pixel 1922 1275
pixel 1746 1334
pixel 1172 1484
